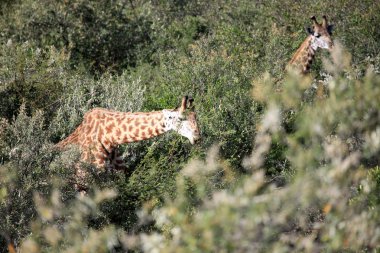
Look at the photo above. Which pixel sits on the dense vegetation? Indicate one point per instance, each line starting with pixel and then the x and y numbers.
pixel 279 168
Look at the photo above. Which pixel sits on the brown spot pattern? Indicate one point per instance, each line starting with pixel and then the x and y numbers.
pixel 118 132
pixel 103 129
pixel 110 127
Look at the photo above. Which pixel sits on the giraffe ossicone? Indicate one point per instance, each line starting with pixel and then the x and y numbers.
pixel 103 130
pixel 319 37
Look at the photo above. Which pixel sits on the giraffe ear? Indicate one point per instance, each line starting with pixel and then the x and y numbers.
pixel 183 104
pixel 324 21
pixel 314 20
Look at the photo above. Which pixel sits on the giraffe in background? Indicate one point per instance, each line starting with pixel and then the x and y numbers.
pixel 103 130
pixel 319 37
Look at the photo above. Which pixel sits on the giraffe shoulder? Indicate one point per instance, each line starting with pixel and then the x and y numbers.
pixel 95 114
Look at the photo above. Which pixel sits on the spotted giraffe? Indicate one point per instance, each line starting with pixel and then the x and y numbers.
pixel 319 37
pixel 103 130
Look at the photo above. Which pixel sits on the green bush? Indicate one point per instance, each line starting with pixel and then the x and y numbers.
pixel 67 229
pixel 26 156
pixel 326 206
pixel 99 34
pixel 30 76
pixel 296 168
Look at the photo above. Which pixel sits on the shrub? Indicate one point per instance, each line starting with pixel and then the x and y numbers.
pixel 59 229
pixel 327 205
pixel 26 156
pixel 310 183
pixel 31 76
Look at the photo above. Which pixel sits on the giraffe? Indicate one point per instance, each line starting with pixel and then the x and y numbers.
pixel 319 37
pixel 103 130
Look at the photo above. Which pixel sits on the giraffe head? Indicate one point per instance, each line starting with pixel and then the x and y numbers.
pixel 183 120
pixel 320 34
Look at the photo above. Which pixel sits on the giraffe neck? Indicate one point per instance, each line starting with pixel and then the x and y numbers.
pixel 133 127
pixel 304 56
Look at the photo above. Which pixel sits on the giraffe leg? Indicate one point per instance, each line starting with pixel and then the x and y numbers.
pixel 80 184
pixel 94 157
pixel 110 154
pixel 79 180
pixel 119 162
pixel 101 156
pixel 116 162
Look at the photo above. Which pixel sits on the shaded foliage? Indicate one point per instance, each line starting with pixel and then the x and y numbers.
pixel 59 59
